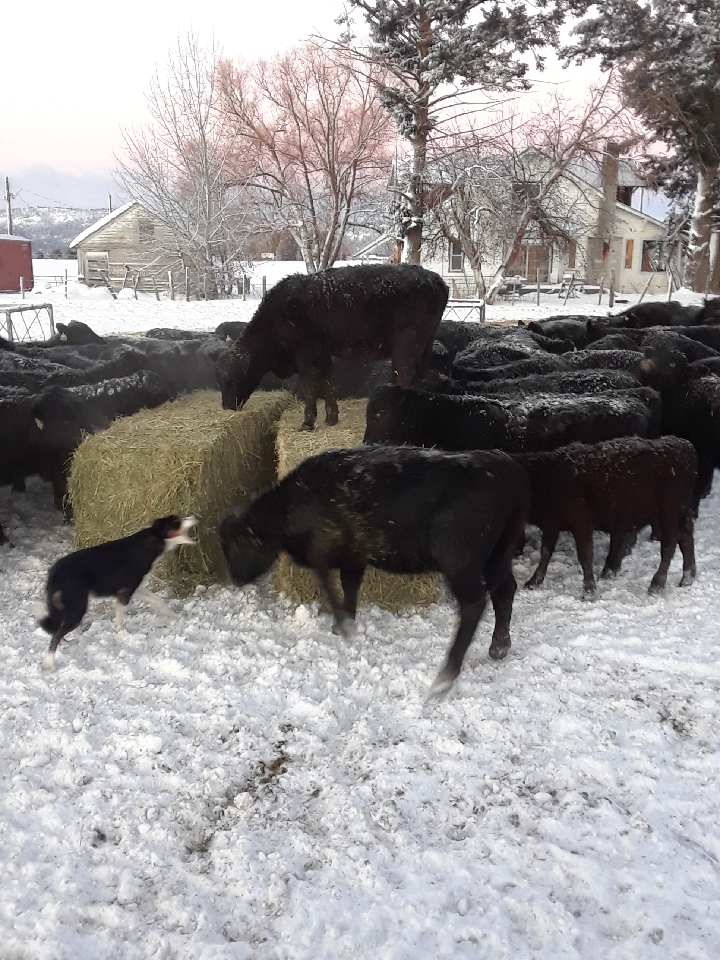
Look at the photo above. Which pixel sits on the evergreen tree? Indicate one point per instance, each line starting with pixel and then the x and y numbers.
pixel 430 53
pixel 668 56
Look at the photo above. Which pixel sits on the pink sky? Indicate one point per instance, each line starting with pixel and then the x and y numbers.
pixel 72 75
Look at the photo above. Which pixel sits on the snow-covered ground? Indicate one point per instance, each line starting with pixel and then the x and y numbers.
pixel 241 783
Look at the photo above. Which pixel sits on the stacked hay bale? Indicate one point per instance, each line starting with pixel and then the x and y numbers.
pixel 188 456
pixel 390 591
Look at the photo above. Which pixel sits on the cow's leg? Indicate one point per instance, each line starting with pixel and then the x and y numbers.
pixel 350 580
pixel 549 541
pixel 336 606
pixel 308 389
pixel 326 388
pixel 621 546
pixel 502 601
pixel 669 536
pixel 471 593
pixel 584 547
pixel 686 541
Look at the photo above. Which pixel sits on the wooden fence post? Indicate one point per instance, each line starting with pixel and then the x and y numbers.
pixel 155 288
pixel 66 284
pixel 647 285
pixel 171 285
pixel 187 283
pixel 264 285
pixel 537 279
pixel 602 290
pixel 569 289
pixel 135 281
pixel 22 287
pixel 611 296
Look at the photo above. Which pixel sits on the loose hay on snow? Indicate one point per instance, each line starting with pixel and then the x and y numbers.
pixel 188 456
pixel 391 591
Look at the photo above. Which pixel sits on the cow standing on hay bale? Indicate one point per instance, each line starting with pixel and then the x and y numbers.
pixel 364 313
pixel 400 510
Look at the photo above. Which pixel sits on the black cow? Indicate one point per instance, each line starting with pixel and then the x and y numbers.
pixel 619 487
pixel 573 382
pixel 61 416
pixel 667 313
pixel 406 511
pixel 510 423
pixel 571 328
pixel 367 312
pixel 603 360
pixel 230 330
pixel 690 405
pixel 540 363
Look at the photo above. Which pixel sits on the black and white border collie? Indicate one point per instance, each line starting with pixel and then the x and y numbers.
pixel 115 569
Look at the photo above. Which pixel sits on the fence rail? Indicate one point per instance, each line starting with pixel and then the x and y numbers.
pixel 27 328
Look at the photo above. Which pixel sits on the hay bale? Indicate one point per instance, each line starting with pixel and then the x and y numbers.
pixel 390 591
pixel 188 456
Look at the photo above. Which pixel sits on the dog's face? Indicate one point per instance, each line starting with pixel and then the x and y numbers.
pixel 174 530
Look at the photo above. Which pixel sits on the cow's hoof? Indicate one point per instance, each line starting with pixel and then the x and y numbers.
pixel 687 578
pixel 532 583
pixel 656 587
pixel 331 420
pixel 307 427
pixel 344 628
pixel 498 652
pixel 442 685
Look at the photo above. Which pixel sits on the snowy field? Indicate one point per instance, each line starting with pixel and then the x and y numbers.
pixel 243 784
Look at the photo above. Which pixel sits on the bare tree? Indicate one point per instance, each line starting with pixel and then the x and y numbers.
pixel 520 182
pixel 313 138
pixel 177 167
pixel 436 54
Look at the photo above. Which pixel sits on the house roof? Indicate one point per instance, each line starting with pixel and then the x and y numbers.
pixel 102 222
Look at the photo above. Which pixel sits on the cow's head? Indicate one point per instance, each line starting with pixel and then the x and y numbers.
pixel 248 554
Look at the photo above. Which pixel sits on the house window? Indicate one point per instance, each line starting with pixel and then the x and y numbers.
pixel 624 195
pixel 654 256
pixel 629 245
pixel 146 231
pixel 457 257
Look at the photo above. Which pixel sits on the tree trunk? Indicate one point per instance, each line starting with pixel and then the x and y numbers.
pixel 514 249
pixel 697 264
pixel 714 266
pixel 412 242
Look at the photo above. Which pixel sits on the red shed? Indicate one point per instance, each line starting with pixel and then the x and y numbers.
pixel 15 262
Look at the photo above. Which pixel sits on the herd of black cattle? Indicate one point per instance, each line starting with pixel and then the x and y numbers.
pixel 575 424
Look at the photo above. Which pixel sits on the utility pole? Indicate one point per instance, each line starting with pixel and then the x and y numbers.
pixel 8 207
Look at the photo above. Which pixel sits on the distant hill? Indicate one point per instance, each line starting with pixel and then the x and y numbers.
pixel 52 229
